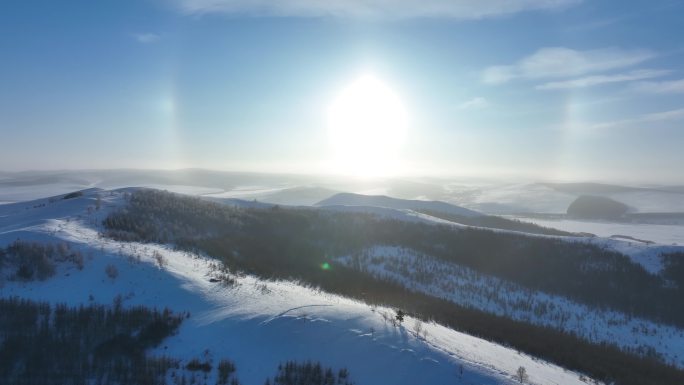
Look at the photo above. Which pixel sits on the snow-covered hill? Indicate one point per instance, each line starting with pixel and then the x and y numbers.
pixel 255 323
pixel 422 273
pixel 349 199
pixel 646 255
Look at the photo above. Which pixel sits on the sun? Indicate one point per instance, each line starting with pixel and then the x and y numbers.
pixel 367 127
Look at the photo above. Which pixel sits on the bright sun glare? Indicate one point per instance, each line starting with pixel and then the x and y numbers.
pixel 367 126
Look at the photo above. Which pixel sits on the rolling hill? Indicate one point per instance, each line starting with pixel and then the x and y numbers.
pixel 256 323
pixel 349 199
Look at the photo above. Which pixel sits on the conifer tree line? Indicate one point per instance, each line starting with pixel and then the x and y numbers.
pixel 95 344
pixel 44 344
pixel 496 222
pixel 308 373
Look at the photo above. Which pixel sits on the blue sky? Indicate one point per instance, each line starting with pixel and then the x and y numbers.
pixel 551 89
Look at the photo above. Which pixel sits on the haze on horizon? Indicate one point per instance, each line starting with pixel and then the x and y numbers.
pixel 554 90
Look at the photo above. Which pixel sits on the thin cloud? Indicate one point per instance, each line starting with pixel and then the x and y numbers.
pixel 474 104
pixel 146 38
pixel 666 115
pixel 595 80
pixel 384 9
pixel 664 87
pixel 677 114
pixel 597 24
pixel 559 62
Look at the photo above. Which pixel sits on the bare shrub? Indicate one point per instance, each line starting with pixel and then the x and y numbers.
pixel 111 271
pixel 521 374
pixel 159 259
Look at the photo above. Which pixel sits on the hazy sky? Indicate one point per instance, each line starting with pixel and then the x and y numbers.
pixel 565 89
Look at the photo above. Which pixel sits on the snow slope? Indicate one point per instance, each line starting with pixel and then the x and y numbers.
pixel 461 285
pixel 648 256
pixel 255 323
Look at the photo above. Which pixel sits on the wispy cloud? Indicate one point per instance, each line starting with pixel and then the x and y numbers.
pixel 666 115
pixel 384 9
pixel 146 38
pixel 474 104
pixel 597 24
pixel 558 62
pixel 670 115
pixel 664 87
pixel 595 80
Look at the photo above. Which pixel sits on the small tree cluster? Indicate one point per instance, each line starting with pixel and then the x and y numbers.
pixel 196 365
pixel 29 261
pixel 308 373
pixel 400 316
pixel 225 370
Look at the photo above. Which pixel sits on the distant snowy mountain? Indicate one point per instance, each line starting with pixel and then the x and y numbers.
pixel 486 196
pixel 349 199
pixel 297 196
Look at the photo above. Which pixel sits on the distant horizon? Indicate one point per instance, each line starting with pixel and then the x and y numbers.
pixel 507 178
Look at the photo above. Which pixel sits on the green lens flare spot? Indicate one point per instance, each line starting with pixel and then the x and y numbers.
pixel 325 266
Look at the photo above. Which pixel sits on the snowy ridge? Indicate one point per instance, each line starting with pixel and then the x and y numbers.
pixel 643 254
pixel 648 256
pixel 350 199
pixel 384 212
pixel 253 322
pixel 466 287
